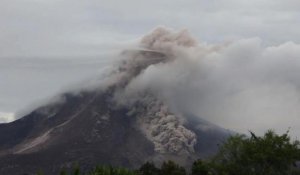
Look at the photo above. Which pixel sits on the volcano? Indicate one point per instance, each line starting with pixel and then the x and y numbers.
pixel 107 126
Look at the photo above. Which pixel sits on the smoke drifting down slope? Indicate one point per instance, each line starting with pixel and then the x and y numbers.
pixel 159 97
pixel 159 124
pixel 119 123
pixel 239 85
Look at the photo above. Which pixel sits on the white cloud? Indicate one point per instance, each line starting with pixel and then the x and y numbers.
pixel 6 117
pixel 65 27
pixel 246 69
pixel 242 85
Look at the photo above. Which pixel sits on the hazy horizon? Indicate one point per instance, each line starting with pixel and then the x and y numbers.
pixel 48 46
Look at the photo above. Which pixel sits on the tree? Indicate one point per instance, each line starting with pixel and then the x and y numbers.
pixel 76 169
pixel 40 172
pixel 109 170
pixel 171 168
pixel 149 169
pixel 200 168
pixel 270 154
pixel 63 172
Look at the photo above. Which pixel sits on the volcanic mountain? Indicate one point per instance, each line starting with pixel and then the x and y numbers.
pixel 107 125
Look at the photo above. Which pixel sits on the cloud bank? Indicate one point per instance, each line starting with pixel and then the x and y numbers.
pixel 46 29
pixel 6 117
pixel 31 28
pixel 241 85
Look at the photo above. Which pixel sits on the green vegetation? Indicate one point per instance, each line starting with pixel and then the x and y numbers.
pixel 108 170
pixel 171 168
pixel 270 154
pixel 201 168
pixel 149 169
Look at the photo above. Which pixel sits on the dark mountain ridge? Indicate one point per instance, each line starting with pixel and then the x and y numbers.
pixel 88 134
pixel 93 127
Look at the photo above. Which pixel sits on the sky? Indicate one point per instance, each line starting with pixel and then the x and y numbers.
pixel 46 45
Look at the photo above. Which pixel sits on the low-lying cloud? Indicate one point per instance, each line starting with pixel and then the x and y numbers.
pixel 6 117
pixel 241 85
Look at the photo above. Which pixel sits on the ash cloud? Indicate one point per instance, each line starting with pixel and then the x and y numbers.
pixel 241 85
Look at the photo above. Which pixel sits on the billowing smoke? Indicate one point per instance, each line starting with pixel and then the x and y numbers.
pixel 240 85
pixel 160 124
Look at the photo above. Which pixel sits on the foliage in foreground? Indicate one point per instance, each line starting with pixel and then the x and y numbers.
pixel 167 168
pixel 271 154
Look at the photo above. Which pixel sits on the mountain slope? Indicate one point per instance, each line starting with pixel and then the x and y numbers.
pixel 85 129
pixel 108 125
